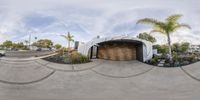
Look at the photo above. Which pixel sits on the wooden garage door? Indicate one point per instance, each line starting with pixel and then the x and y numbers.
pixel 117 51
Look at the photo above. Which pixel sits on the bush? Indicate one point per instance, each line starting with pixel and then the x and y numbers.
pixel 75 57
pixel 78 58
pixel 83 58
pixel 154 61
pixel 69 57
pixel 66 59
pixel 161 48
pixel 175 57
pixel 63 51
pixel 192 58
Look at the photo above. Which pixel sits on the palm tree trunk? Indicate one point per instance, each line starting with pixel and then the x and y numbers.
pixel 169 46
pixel 68 44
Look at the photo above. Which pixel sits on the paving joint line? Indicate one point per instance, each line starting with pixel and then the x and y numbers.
pixel 31 82
pixel 26 83
pixel 73 67
pixel 112 76
pixel 188 74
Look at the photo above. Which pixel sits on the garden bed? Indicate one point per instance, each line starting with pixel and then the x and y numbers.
pixel 68 58
pixel 177 60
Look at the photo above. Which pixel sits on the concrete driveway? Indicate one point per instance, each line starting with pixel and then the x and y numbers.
pixel 99 80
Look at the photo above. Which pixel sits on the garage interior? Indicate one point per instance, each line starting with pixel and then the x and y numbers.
pixel 123 50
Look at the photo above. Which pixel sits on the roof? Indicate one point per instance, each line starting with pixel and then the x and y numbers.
pixel 147 45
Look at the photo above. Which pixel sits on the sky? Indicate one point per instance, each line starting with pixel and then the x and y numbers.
pixel 86 19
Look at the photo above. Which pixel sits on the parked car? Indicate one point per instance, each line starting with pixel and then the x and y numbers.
pixel 43 49
pixel 38 49
pixel 2 52
pixel 14 49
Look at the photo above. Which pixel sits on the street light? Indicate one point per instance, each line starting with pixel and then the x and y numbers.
pixel 30 40
pixel 30 35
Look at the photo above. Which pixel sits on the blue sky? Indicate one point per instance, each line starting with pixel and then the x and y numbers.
pixel 86 19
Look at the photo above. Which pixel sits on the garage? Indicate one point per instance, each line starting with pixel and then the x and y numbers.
pixel 117 51
pixel 123 48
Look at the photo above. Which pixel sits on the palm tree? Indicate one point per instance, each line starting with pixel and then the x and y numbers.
pixel 170 25
pixel 69 38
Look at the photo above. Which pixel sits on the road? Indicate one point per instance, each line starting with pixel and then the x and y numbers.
pixel 26 54
pixel 98 80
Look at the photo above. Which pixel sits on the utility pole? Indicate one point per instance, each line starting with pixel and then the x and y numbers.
pixel 30 40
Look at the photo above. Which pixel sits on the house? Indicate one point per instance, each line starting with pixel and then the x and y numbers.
pixel 194 48
pixel 118 48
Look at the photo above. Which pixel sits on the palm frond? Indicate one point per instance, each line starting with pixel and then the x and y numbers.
pixel 72 40
pixel 157 31
pixel 160 26
pixel 156 24
pixel 182 26
pixel 64 36
pixel 69 35
pixel 148 21
pixel 185 26
pixel 173 18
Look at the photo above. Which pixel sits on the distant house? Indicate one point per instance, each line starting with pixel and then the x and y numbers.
pixel 77 44
pixel 118 48
pixel 194 48
pixel 33 47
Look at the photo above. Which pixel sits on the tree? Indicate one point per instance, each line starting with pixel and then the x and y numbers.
pixel 19 45
pixel 7 44
pixel 1 46
pixel 180 47
pixel 148 37
pixel 184 46
pixel 161 48
pixel 57 46
pixel 170 25
pixel 44 43
pixel 69 38
pixel 176 47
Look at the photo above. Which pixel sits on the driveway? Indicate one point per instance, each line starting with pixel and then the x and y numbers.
pixel 99 80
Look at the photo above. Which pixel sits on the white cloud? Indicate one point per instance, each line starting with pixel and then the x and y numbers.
pixel 88 18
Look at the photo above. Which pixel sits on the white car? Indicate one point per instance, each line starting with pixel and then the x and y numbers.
pixel 2 52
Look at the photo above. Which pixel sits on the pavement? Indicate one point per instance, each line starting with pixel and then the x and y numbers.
pixel 37 79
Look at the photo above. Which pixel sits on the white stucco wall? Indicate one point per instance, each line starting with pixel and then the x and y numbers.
pixel 147 46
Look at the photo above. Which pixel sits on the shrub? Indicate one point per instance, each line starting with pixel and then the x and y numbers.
pixel 69 57
pixel 154 61
pixel 78 58
pixel 161 48
pixel 83 58
pixel 60 52
pixel 75 57
pixel 192 58
pixel 66 59
pixel 175 57
pixel 63 51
